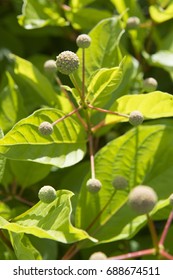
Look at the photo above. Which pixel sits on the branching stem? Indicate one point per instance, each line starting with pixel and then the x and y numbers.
pixel 66 116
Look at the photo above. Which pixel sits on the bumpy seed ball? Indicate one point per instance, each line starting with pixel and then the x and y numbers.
pixel 171 199
pixel 133 22
pixel 142 199
pixel 150 84
pixel 93 185
pixel 67 62
pixel 50 66
pixel 120 182
pixel 98 256
pixel 136 118
pixel 45 128
pixel 47 194
pixel 83 41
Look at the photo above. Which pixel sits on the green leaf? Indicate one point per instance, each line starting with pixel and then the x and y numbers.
pixel 159 15
pixel 102 84
pixel 66 146
pixel 143 155
pixel 2 159
pixel 40 13
pixel 50 221
pixel 152 105
pixel 104 50
pixel 23 248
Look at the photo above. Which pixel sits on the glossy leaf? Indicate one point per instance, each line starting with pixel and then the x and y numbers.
pixel 50 221
pixel 143 155
pixel 65 147
pixel 159 15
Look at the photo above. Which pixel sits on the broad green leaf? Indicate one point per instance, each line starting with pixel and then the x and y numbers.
pixel 2 159
pixel 143 155
pixel 5 252
pixel 102 84
pixel 29 78
pixel 27 173
pixel 23 248
pixel 40 13
pixel 50 221
pixel 104 49
pixel 65 147
pixel 75 4
pixel 159 15
pixel 152 105
pixel 11 104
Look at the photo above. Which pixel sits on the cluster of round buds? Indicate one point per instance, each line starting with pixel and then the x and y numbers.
pixel 83 41
pixel 150 84
pixel 171 200
pixel 67 62
pixel 47 194
pixel 133 22
pixel 93 185
pixel 50 66
pixel 46 128
pixel 120 182
pixel 136 118
pixel 142 199
pixel 98 256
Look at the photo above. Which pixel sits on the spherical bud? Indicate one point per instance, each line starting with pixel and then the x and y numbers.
pixel 83 41
pixel 67 62
pixel 93 185
pixel 171 200
pixel 98 256
pixel 136 118
pixel 50 66
pixel 150 84
pixel 120 182
pixel 142 199
pixel 133 22
pixel 45 128
pixel 47 194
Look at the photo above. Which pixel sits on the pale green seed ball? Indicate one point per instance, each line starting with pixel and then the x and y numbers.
pixel 133 23
pixel 46 128
pixel 93 185
pixel 120 182
pixel 171 199
pixel 83 41
pixel 150 84
pixel 47 194
pixel 50 66
pixel 142 199
pixel 67 62
pixel 98 256
pixel 136 118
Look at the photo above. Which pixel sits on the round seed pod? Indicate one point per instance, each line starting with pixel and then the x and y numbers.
pixel 47 194
pixel 93 185
pixel 136 118
pixel 98 256
pixel 50 66
pixel 120 182
pixel 133 23
pixel 45 128
pixel 142 199
pixel 150 84
pixel 83 41
pixel 171 199
pixel 67 62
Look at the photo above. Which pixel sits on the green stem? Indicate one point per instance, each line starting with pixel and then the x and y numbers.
pixel 83 75
pixel 76 85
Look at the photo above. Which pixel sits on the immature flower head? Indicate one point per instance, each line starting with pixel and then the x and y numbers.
pixel 120 182
pixel 67 62
pixel 93 185
pixel 98 256
pixel 45 128
pixel 142 199
pixel 171 199
pixel 133 22
pixel 50 66
pixel 83 41
pixel 150 84
pixel 47 194
pixel 136 118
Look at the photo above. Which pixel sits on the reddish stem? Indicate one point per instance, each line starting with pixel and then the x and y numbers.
pixel 108 111
pixel 166 255
pixel 165 230
pixel 66 116
pixel 134 254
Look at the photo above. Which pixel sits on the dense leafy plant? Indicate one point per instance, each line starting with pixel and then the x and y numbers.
pixel 94 123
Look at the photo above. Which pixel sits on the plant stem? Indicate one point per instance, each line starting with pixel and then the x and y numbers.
pixel 6 241
pixel 134 254
pixel 66 116
pixel 108 111
pixel 91 152
pixel 165 230
pixel 166 255
pixel 153 233
pixel 76 85
pixel 83 75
